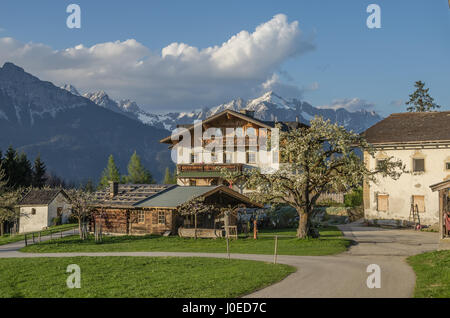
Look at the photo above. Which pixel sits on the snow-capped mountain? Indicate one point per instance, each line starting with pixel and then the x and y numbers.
pixel 268 107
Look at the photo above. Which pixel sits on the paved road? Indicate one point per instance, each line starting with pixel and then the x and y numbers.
pixel 342 275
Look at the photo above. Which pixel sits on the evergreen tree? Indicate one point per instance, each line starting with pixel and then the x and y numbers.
pixel 39 173
pixel 170 178
pixel 25 171
pixel 111 173
pixel 10 167
pixel 137 172
pixel 420 100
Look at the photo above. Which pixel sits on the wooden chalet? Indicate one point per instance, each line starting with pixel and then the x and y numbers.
pixel 196 172
pixel 130 209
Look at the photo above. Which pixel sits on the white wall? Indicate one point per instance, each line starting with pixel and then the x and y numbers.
pixel 29 222
pixel 44 215
pixel 59 201
pixel 401 191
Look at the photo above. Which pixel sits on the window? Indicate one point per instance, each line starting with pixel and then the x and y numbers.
pixel 418 165
pixel 447 165
pixel 380 163
pixel 141 217
pixel 161 217
pixel 59 212
pixel 383 202
pixel 33 211
pixel 192 182
pixel 419 201
pixel 228 157
pixel 251 157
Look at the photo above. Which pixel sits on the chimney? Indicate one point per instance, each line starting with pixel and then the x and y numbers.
pixel 113 188
pixel 296 119
pixel 249 113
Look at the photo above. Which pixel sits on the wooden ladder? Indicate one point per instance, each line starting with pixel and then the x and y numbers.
pixel 414 216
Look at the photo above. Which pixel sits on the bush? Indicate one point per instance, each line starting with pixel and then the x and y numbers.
pixel 282 217
pixel 354 198
pixel 56 221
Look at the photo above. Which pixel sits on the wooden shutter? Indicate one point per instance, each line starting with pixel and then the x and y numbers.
pixel 383 202
pixel 419 200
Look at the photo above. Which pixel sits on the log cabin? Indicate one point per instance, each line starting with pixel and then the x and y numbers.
pixel 137 209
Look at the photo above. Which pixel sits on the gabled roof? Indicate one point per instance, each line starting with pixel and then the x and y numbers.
pixel 40 197
pixel 440 186
pixel 263 124
pixel 176 196
pixel 410 128
pixel 128 194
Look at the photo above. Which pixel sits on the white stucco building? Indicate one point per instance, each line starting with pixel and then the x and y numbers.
pixel 422 142
pixel 39 207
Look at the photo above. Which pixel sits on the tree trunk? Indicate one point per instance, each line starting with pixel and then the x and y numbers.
pixel 79 229
pixel 1 228
pixel 303 225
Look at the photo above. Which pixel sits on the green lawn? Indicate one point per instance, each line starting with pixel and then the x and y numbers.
pixel 137 277
pixel 6 239
pixel 331 242
pixel 432 274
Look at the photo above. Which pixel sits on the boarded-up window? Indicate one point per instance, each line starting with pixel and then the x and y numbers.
pixel 419 200
pixel 382 202
pixel 418 165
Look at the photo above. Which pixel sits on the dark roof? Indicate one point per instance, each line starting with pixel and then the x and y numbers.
pixel 128 194
pixel 441 185
pixel 40 196
pixel 266 124
pixel 176 196
pixel 411 127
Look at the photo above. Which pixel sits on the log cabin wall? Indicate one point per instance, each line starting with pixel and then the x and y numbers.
pixel 135 222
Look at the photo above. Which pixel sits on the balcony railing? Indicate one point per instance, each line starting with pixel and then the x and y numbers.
pixel 200 167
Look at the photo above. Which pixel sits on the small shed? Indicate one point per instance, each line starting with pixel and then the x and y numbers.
pixel 444 207
pixel 135 210
pixel 39 209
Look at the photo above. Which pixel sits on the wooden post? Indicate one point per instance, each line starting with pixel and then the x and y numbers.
pixel 39 237
pixel 195 226
pixel 26 243
pixel 33 236
pixel 228 247
pixel 255 230
pixel 275 251
pixel 61 234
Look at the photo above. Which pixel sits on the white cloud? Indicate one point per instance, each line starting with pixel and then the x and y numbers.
pixel 179 77
pixel 350 104
pixel 397 103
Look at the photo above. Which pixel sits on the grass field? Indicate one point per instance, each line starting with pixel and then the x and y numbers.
pixel 432 274
pixel 330 242
pixel 6 239
pixel 137 277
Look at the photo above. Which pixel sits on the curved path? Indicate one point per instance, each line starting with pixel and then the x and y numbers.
pixel 342 275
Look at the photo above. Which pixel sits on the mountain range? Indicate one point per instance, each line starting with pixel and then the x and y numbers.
pixel 75 133
pixel 268 107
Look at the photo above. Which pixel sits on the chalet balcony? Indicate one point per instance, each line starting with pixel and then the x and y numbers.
pixel 203 167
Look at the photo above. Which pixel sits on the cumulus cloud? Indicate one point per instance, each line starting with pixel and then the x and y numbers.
pixel 350 104
pixel 180 76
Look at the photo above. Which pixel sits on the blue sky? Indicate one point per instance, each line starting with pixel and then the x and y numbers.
pixel 345 61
